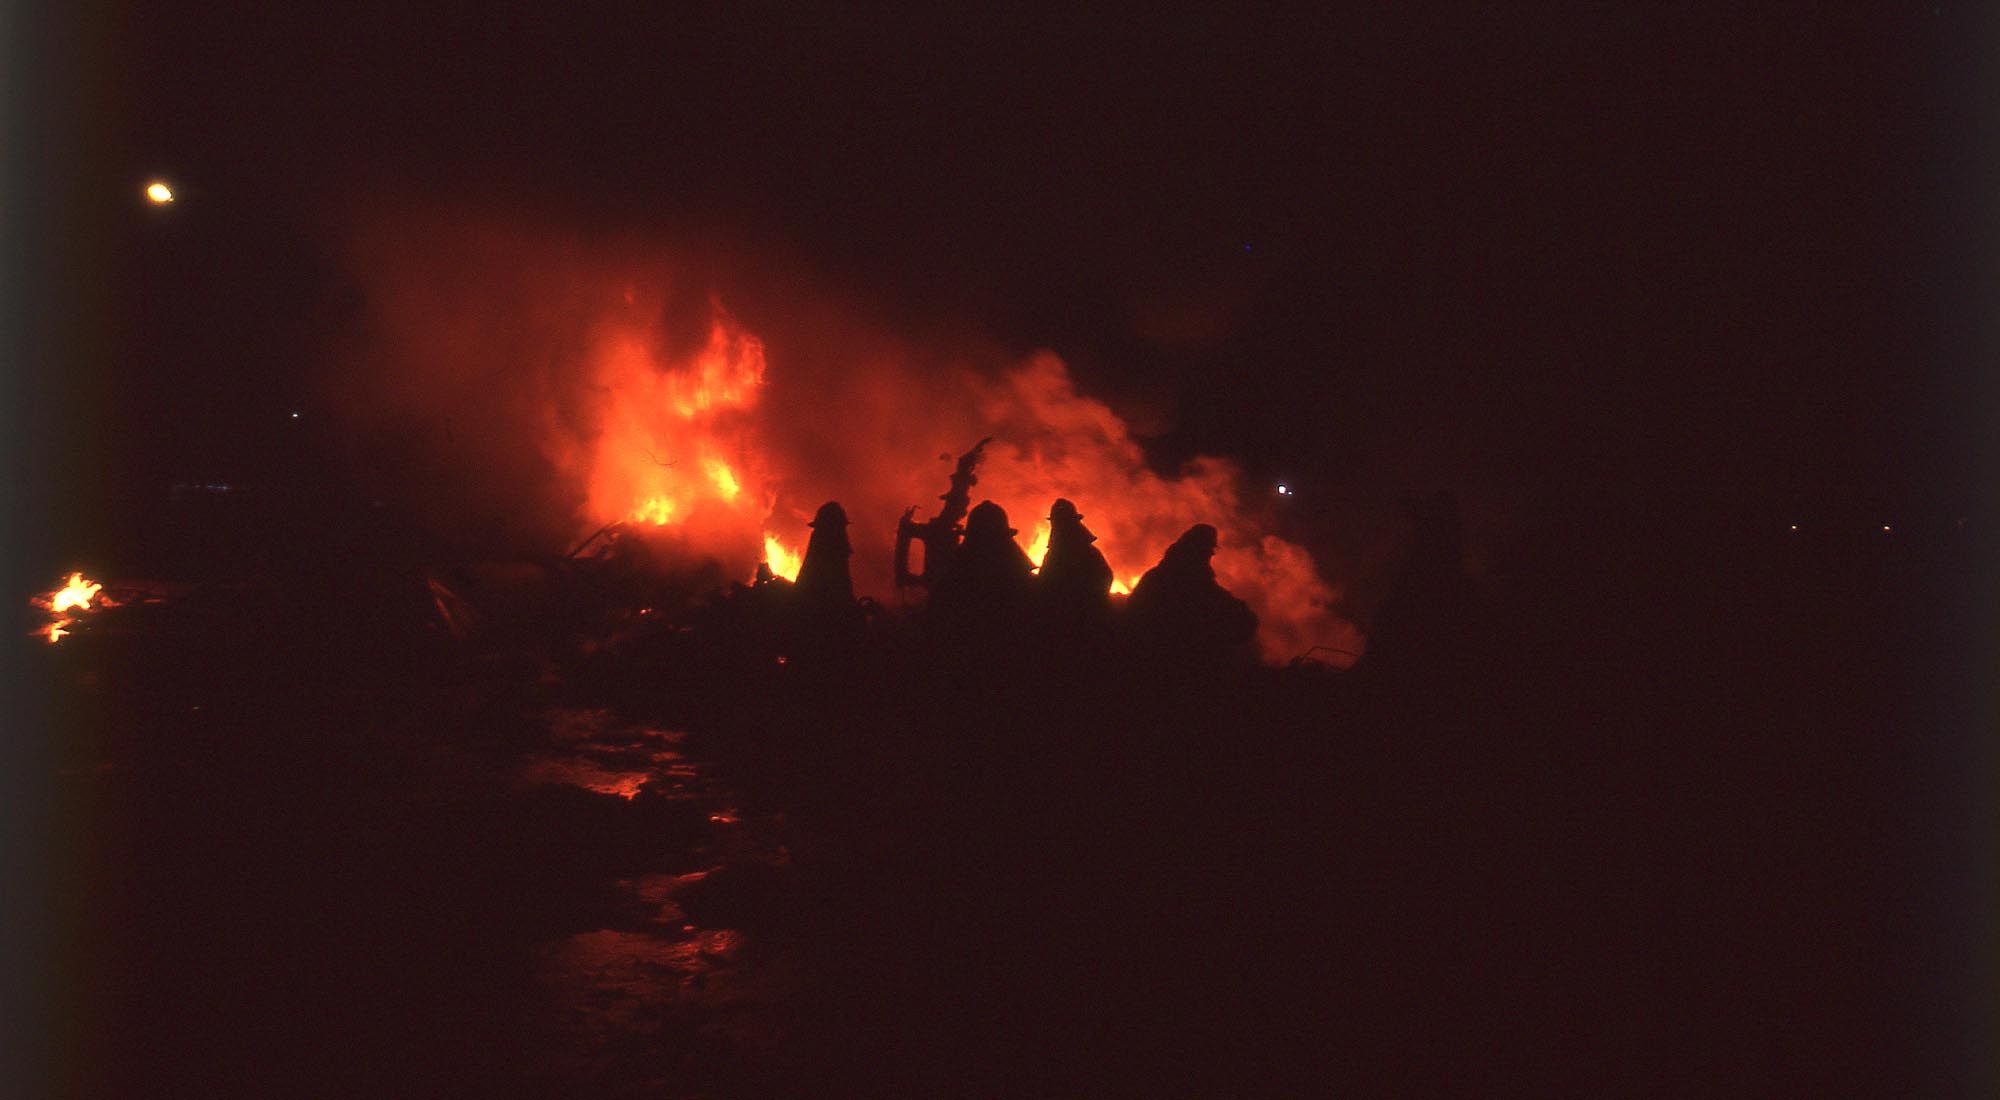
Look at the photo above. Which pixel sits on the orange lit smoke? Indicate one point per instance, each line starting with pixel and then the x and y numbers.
pixel 596 388
pixel 1051 441
pixel 672 445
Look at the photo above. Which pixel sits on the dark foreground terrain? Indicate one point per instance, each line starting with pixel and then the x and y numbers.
pixel 1674 814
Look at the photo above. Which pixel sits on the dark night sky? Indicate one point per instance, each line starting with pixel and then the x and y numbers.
pixel 1671 254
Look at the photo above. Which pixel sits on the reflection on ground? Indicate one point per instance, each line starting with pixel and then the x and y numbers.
pixel 623 997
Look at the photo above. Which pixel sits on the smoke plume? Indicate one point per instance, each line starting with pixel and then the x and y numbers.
pixel 534 386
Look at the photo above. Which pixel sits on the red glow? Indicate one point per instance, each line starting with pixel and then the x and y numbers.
pixel 646 405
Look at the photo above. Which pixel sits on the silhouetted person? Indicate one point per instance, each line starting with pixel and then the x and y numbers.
pixel 823 577
pixel 824 591
pixel 989 574
pixel 1074 573
pixel 1179 607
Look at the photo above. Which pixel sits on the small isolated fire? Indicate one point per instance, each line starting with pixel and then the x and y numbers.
pixel 75 596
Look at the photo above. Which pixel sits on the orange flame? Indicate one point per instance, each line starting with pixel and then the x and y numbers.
pixel 723 478
pixel 679 428
pixel 672 446
pixel 1038 547
pixel 655 510
pixel 678 448
pixel 783 562
pixel 76 594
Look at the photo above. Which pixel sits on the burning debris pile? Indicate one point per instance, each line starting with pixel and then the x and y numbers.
pixel 589 395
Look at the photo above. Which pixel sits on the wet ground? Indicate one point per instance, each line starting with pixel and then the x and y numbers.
pixel 399 874
pixel 1691 830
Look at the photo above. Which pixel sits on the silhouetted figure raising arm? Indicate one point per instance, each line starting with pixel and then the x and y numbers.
pixel 939 534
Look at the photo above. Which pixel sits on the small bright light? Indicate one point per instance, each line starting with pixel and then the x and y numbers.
pixel 1885 527
pixel 1284 490
pixel 158 193
pixel 1795 526
pixel 295 416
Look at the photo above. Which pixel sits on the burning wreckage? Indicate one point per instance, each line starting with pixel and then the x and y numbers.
pixel 642 412
pixel 958 571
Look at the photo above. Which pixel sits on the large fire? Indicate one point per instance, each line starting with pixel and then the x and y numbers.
pixel 674 441
pixel 679 446
pixel 651 407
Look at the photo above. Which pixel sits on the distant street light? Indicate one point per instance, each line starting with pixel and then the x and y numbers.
pixel 158 193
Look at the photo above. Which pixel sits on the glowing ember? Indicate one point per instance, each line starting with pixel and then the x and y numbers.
pixel 58 630
pixel 784 563
pixel 78 593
